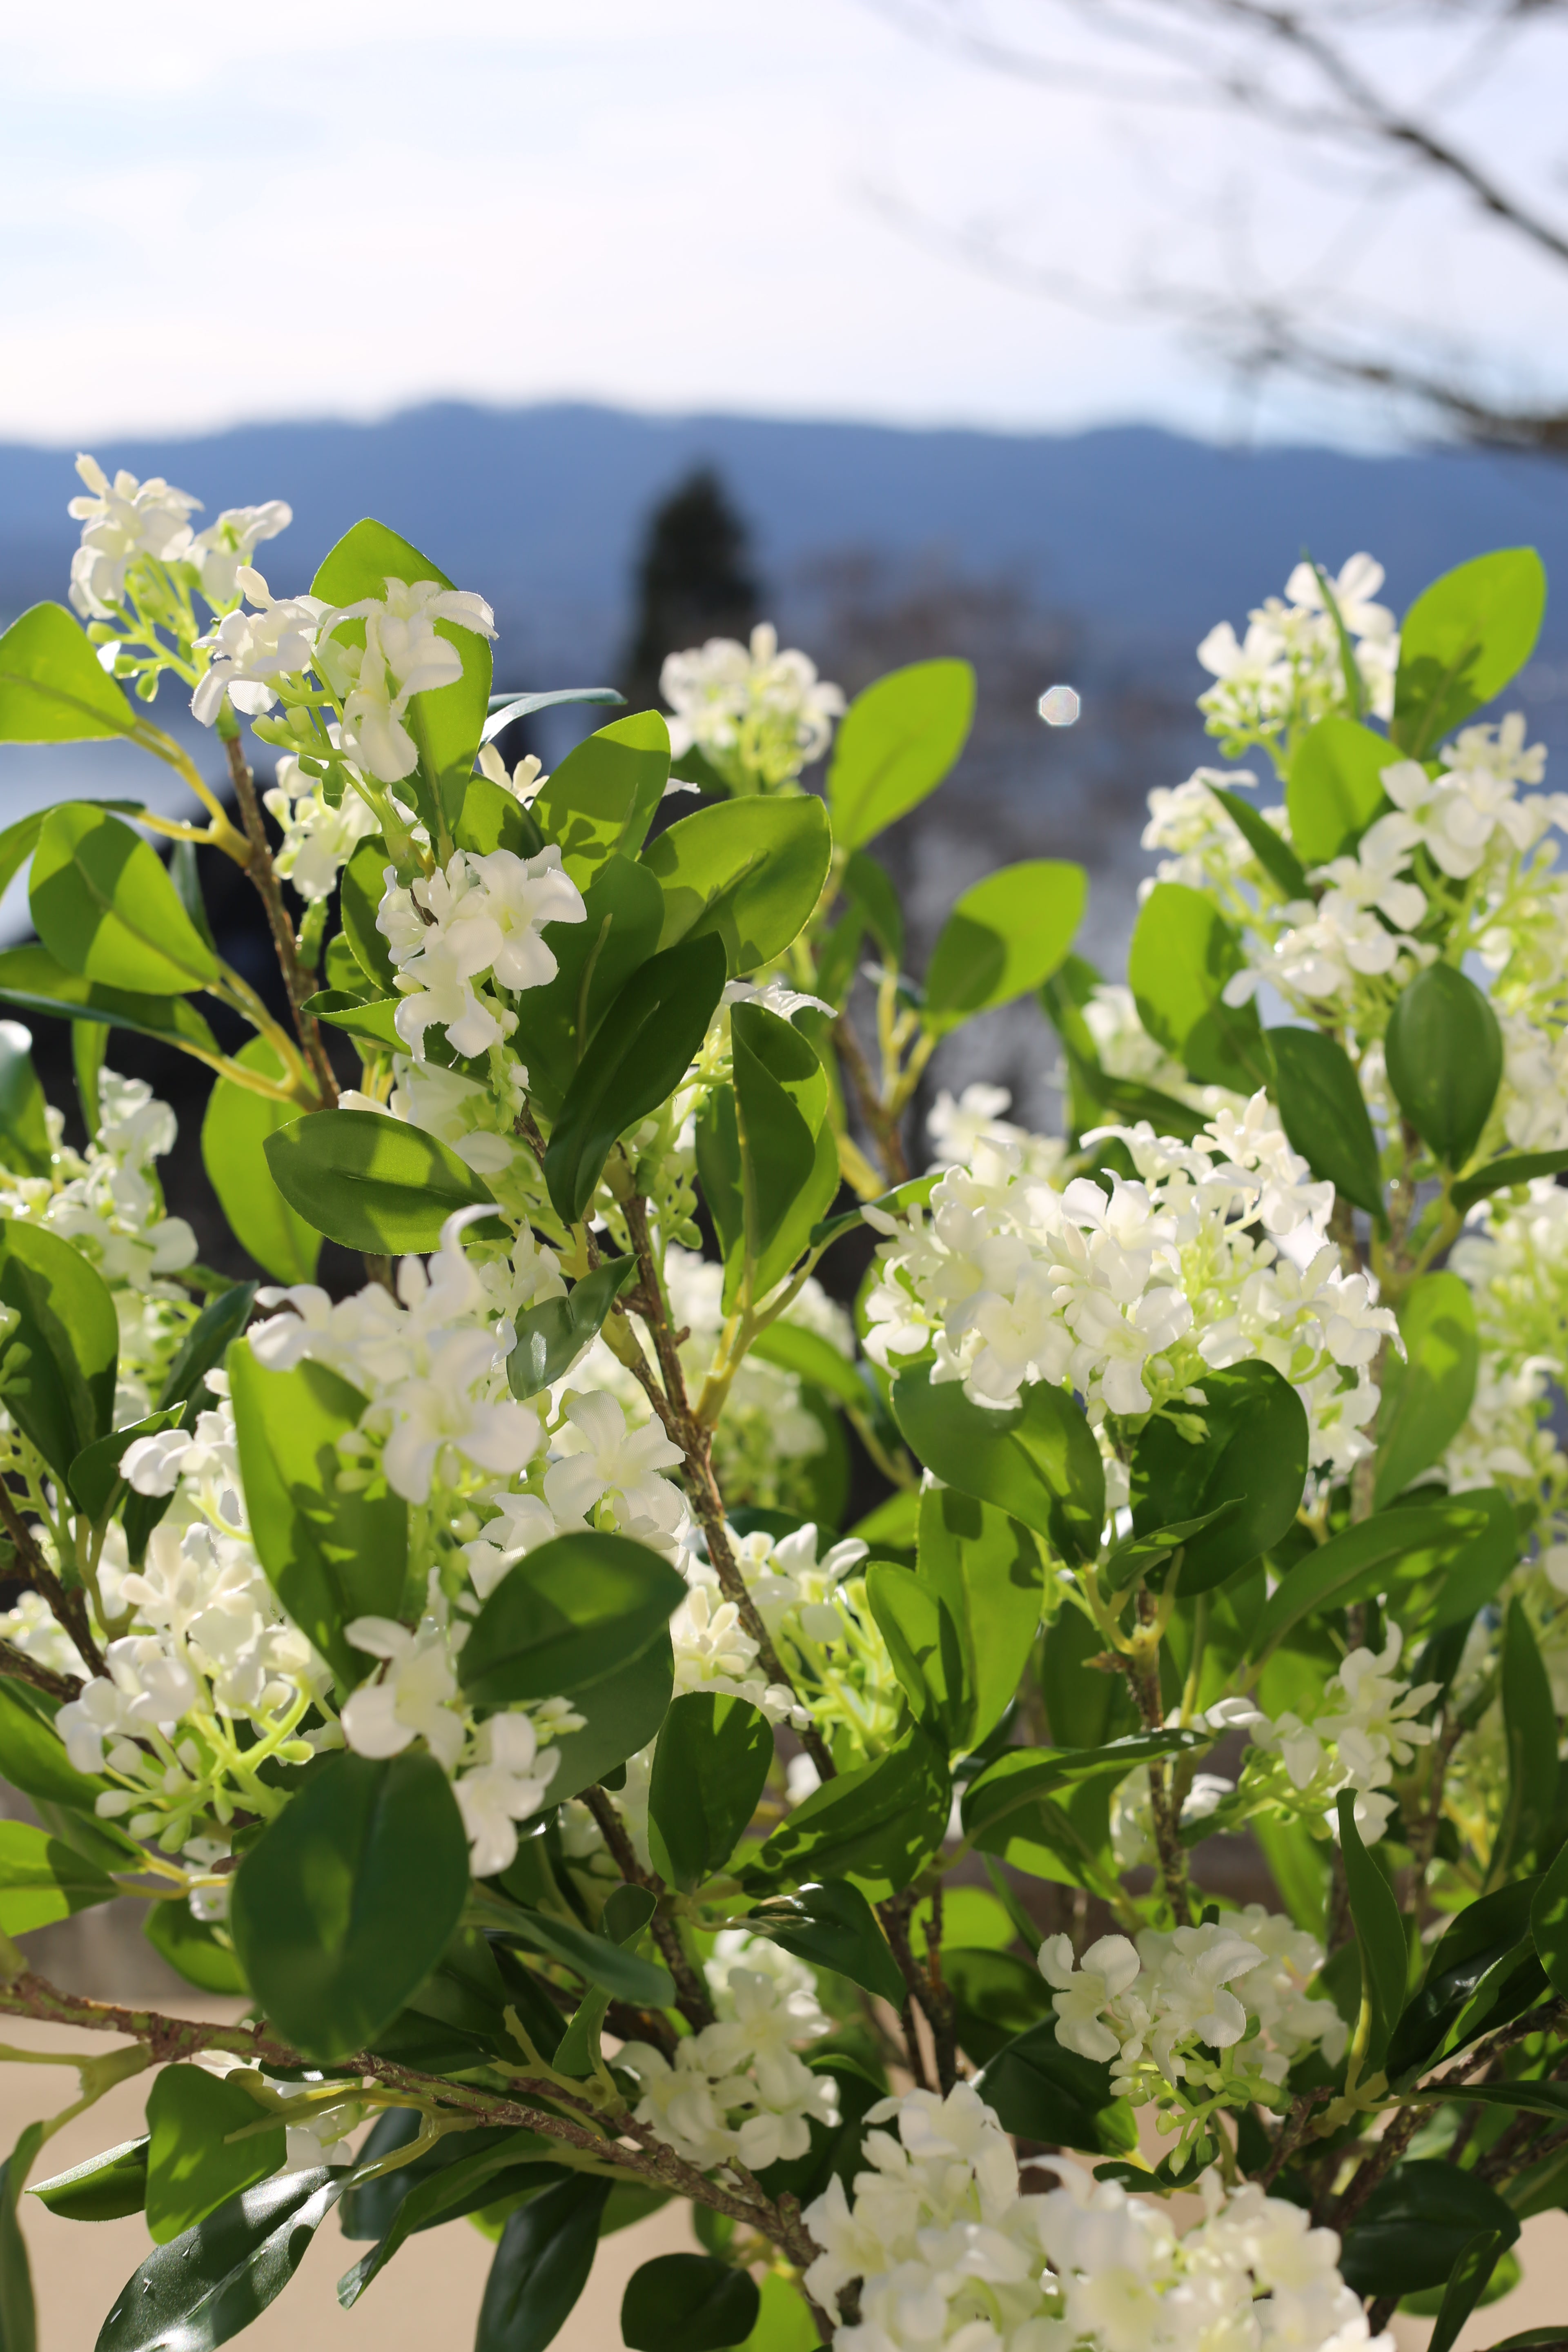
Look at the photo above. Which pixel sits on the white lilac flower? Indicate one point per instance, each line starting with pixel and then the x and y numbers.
pixel 319 839
pixel 219 551
pixel 1364 1733
pixel 600 1461
pixel 482 916
pixel 509 1780
pixel 404 654
pixel 752 710
pixel 414 1699
pixel 249 653
pixel 123 521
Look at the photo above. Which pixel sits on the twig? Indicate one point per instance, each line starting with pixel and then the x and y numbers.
pixel 23 1669
pixel 886 1127
pixel 264 874
pixel 690 1994
pixel 69 1609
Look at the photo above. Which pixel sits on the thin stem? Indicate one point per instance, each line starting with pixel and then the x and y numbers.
pixel 264 874
pixel 69 1609
pixel 690 1992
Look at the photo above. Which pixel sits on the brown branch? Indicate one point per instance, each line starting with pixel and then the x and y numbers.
pixel 23 1669
pixel 68 1608
pixel 690 1992
pixel 1164 1807
pixel 264 874
pixel 885 1126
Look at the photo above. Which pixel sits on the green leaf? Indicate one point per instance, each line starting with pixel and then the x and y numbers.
pixel 1406 2234
pixel 207 1343
pixel 926 1651
pixel 996 1995
pixel 32 979
pixel 1467 2281
pixel 1096 1097
pixel 577 1611
pixel 505 708
pixel 1022 1776
pixel 1427 1394
pixel 1445 1060
pixel 32 1753
pixel 789 1161
pixel 190 2169
pixel 1324 1114
pixel 868 885
pixel 749 873
pixel 875 1824
pixel 1380 1937
pixel 786 2325
pixel 105 2189
pixel 25 1144
pixel 58 1373
pixel 94 1476
pixel 688 2303
pixel 621 1714
pixel 459 2174
pixel 1549 1922
pixel 898 741
pixel 542 2266
pixel 1084 1707
pixel 18 2316
pixel 53 689
pixel 192 1949
pixel 1272 851
pixel 1254 1453
pixel 330 1557
pixel 104 907
pixel 1451 1556
pixel 988 1572
pixel 446 722
pixel 494 818
pixel 601 799
pixel 203 2288
pixel 1461 641
pixel 234 1129
pixel 1182 953
pixel 1007 935
pixel 817 1361
pixel 1037 1460
pixel 348 1899
pixel 371 1021
pixel 1335 788
pixel 370 1181
pixel 639 1055
pixel 829 1922
pixel 596 1960
pixel 624 911
pixel 1482 1947
pixel 1530 1728
pixel 1513 1168
pixel 362 886
pixel 42 1880
pixel 1042 2092
pixel 708 1770
pixel 553 1335
pixel 89 1044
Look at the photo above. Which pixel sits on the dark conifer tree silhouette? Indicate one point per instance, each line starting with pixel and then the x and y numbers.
pixel 695 579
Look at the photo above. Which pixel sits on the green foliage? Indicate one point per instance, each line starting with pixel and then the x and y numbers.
pixel 1513 1168
pixel 235 1128
pixel 369 1182
pixel 192 1949
pixel 1462 640
pixel 54 689
pixel 926 1651
pixel 766 1152
pixel 622 1712
pixel 601 799
pixel 43 1879
pixel 1042 2092
pixel 203 2288
pixel 1245 1478
pixel 709 1769
pixel 572 1613
pixel 596 1958
pixel 104 907
pixel 1037 1460
pixel 623 913
pixel 1335 789
pixel 1022 1777
pixel 1005 936
pixel 553 1335
pixel 1481 1966
pixel 688 2303
pixel 1530 1728
pixel 1438 1563
pixel 1324 1114
pixel 192 2164
pixel 57 1375
pixel 1445 1060
pixel 105 2189
pixel 874 1825
pixel 541 2266
pixel 898 740
pixel 1272 851
pixel 830 1923
pixel 747 873
pixel 1415 2225
pixel 1182 954
pixel 18 2316
pixel 24 1131
pixel 32 979
pixel 360 891
pixel 32 1754
pixel 1428 1393
pixel 1380 1938
pixel 345 1904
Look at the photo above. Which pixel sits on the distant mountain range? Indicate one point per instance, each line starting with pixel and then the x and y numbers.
pixel 1145 536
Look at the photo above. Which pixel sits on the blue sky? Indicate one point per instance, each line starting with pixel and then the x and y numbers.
pixel 291 210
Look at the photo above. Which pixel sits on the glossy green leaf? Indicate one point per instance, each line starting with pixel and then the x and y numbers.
pixel 207 1343
pixel 1445 1060
pixel 362 886
pixel 1497 1175
pixel 1271 849
pixel 89 1044
pixel 1380 1937
pixel 875 1824
pixel 688 2303
pixel 494 818
pixel 542 2266
pixel 1335 788
pixel 1084 1706
pixel 621 1714
pixel 749 873
pixel 201 2289
pixel 1037 1460
pixel 789 1161
pixel 1529 1728
pixel 817 1361
pixel 601 799
pixel 193 2167
pixel 372 1182
pixel 446 722
pixel 553 1335
pixel 1094 1098
pixel 1182 956
pixel 369 1020
pixel 623 915
pixel 32 1753
pixel 868 885
pixel 192 1949
pixel 1455 1554
pixel 1462 640
pixel 829 1922
pixel 94 1476
pixel 1549 1922
pixel 347 1901
pixel 1426 1394
pixel 898 738
pixel 58 1370
pixel 1022 1776
pixel 330 1556
pixel 42 1880
pixel 53 687
pixel 926 1651
pixel 1477 1952
pixel 641 1052
pixel 708 1770
pixel 235 1129
pixel 18 2316
pixel 105 2189
pixel 1323 1112
pixel 1467 2281
pixel 567 1615
pixel 1411 2228
pixel 25 1145
pixel 32 979
pixel 996 1995
pixel 1254 1455
pixel 506 707
pixel 1007 933
pixel 596 1958
pixel 1042 2092
pixel 987 1570
pixel 104 907
pixel 458 2176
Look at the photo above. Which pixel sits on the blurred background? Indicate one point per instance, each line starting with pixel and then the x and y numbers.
pixel 1047 332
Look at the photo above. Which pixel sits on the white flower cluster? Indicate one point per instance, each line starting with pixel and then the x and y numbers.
pixel 758 715
pixel 1288 669
pixel 958 1128
pixel 127 524
pixel 1146 2007
pixel 482 916
pixel 1131 1296
pixel 738 2088
pixel 948 2253
pixel 1365 1732
pixel 318 839
pixel 109 1205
